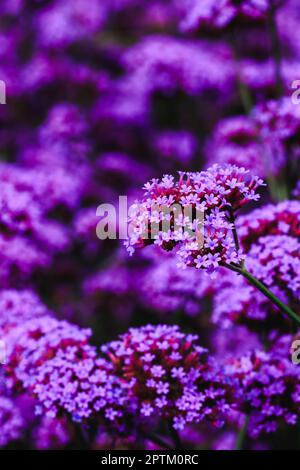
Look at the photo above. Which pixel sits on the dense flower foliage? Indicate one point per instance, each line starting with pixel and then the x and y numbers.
pixel 101 350
pixel 10 420
pixel 170 375
pixel 269 388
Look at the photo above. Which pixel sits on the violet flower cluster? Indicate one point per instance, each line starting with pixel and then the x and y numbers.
pixel 216 193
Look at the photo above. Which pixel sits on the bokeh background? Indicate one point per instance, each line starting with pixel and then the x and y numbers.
pixel 102 96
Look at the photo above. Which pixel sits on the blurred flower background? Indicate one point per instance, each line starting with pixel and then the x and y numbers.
pixel 107 351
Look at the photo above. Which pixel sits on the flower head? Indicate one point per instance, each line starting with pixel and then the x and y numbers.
pixel 219 14
pixel 79 384
pixel 269 390
pixel 194 215
pixel 11 421
pixel 34 342
pixel 169 375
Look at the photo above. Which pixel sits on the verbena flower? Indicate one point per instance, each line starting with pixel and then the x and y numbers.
pixel 186 65
pixel 79 384
pixel 17 307
pixel 275 260
pixel 51 434
pixel 269 390
pixel 178 146
pixel 11 421
pixel 202 236
pixel 33 343
pixel 167 289
pixel 169 375
pixel 273 219
pixel 219 14
pixel 236 140
pixel 236 302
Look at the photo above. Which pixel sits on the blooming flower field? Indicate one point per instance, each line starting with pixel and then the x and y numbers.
pixel 185 334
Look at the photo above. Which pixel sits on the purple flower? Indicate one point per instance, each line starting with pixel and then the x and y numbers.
pixel 269 390
pixel 35 342
pixel 78 384
pixel 219 14
pixel 17 307
pixel 205 243
pixel 190 387
pixel 11 421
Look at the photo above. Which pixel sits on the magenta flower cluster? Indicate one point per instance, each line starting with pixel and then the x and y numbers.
pixel 170 375
pixel 216 193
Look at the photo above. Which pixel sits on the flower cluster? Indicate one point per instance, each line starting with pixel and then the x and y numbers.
pixel 179 146
pixel 219 14
pixel 18 307
pixel 271 219
pixel 11 421
pixel 236 302
pixel 185 65
pixel 269 390
pixel 275 261
pixel 237 140
pixel 169 375
pixel 34 342
pixel 167 289
pixel 77 383
pixel 203 233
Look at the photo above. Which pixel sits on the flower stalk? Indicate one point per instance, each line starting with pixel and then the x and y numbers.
pixel 242 434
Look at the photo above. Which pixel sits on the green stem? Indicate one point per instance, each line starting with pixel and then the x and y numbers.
pixel 242 435
pixel 260 286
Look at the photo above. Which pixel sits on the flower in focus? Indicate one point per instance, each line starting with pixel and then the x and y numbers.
pixel 194 215
pixel 169 375
pixel 77 383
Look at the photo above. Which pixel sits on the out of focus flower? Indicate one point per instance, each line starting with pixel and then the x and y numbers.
pixel 272 219
pixel 17 307
pixel 186 65
pixel 34 342
pixel 177 146
pixel 236 140
pixel 63 23
pixel 169 375
pixel 219 14
pixel 269 390
pixel 275 260
pixel 167 289
pixel 51 434
pixel 236 302
pixel 296 191
pixel 11 421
